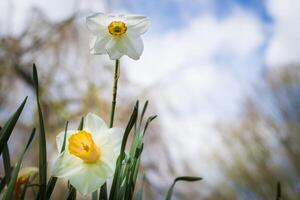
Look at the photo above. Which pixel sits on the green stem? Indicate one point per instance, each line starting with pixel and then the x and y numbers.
pixel 114 94
pixel 103 190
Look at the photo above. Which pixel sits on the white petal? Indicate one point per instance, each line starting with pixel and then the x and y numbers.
pixel 102 169
pixel 114 49
pixel 134 46
pixel 98 43
pixel 109 157
pixel 136 25
pixel 97 23
pixel 86 181
pixel 60 138
pixel 94 124
pixel 115 140
pixel 66 165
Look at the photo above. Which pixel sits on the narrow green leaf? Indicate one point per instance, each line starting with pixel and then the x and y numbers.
pixel 42 141
pixel 72 191
pixel 9 126
pixel 65 138
pixel 80 127
pixel 137 105
pixel 149 120
pixel 71 194
pixel 2 183
pixel 22 197
pixel 95 195
pixel 129 126
pixel 6 163
pixel 182 178
pixel 117 179
pixel 143 112
pixel 10 188
pixel 278 195
pixel 103 192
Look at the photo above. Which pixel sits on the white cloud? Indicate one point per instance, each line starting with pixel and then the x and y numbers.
pixel 284 47
pixel 198 74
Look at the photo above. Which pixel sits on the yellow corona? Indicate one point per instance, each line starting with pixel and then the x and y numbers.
pixel 83 146
pixel 117 28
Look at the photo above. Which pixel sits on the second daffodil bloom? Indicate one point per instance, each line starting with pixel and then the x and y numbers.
pixel 90 155
pixel 117 35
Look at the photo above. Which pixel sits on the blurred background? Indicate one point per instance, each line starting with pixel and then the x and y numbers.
pixel 222 75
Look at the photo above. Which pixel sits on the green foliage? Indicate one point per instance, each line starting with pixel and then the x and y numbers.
pixel 42 141
pixel 182 178
pixel 10 188
pixel 52 180
pixel 127 165
pixel 9 126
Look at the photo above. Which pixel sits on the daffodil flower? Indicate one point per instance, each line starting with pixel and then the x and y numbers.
pixel 25 175
pixel 117 35
pixel 90 155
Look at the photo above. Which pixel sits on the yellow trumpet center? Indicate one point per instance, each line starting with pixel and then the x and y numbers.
pixel 117 28
pixel 83 146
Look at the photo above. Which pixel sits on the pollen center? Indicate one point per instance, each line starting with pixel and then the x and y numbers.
pixel 117 28
pixel 83 146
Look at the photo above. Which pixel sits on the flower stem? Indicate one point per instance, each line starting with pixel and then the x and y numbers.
pixel 103 190
pixel 114 94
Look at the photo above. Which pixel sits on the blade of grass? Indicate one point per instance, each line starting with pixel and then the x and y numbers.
pixel 80 126
pixel 14 176
pixel 143 112
pixel 2 183
pixel 9 126
pixel 72 191
pixel 52 180
pixel 22 197
pixel 278 195
pixel 149 120
pixel 42 140
pixel 95 195
pixel 6 163
pixel 182 178
pixel 117 176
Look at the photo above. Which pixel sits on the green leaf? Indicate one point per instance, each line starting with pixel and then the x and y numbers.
pixel 278 195
pixel 71 194
pixel 129 126
pixel 14 176
pixel 72 191
pixel 42 141
pixel 149 120
pixel 9 126
pixel 65 138
pixel 118 175
pixel 2 183
pixel 143 112
pixel 6 163
pixel 22 197
pixel 182 178
pixel 95 195
pixel 80 127
pixel 103 192
pixel 52 180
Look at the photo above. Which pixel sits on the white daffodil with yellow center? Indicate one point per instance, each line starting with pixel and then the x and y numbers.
pixel 26 175
pixel 117 35
pixel 90 155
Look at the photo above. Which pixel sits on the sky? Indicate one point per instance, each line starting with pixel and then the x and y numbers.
pixel 201 58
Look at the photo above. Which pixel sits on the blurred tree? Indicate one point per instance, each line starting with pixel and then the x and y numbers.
pixel 263 144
